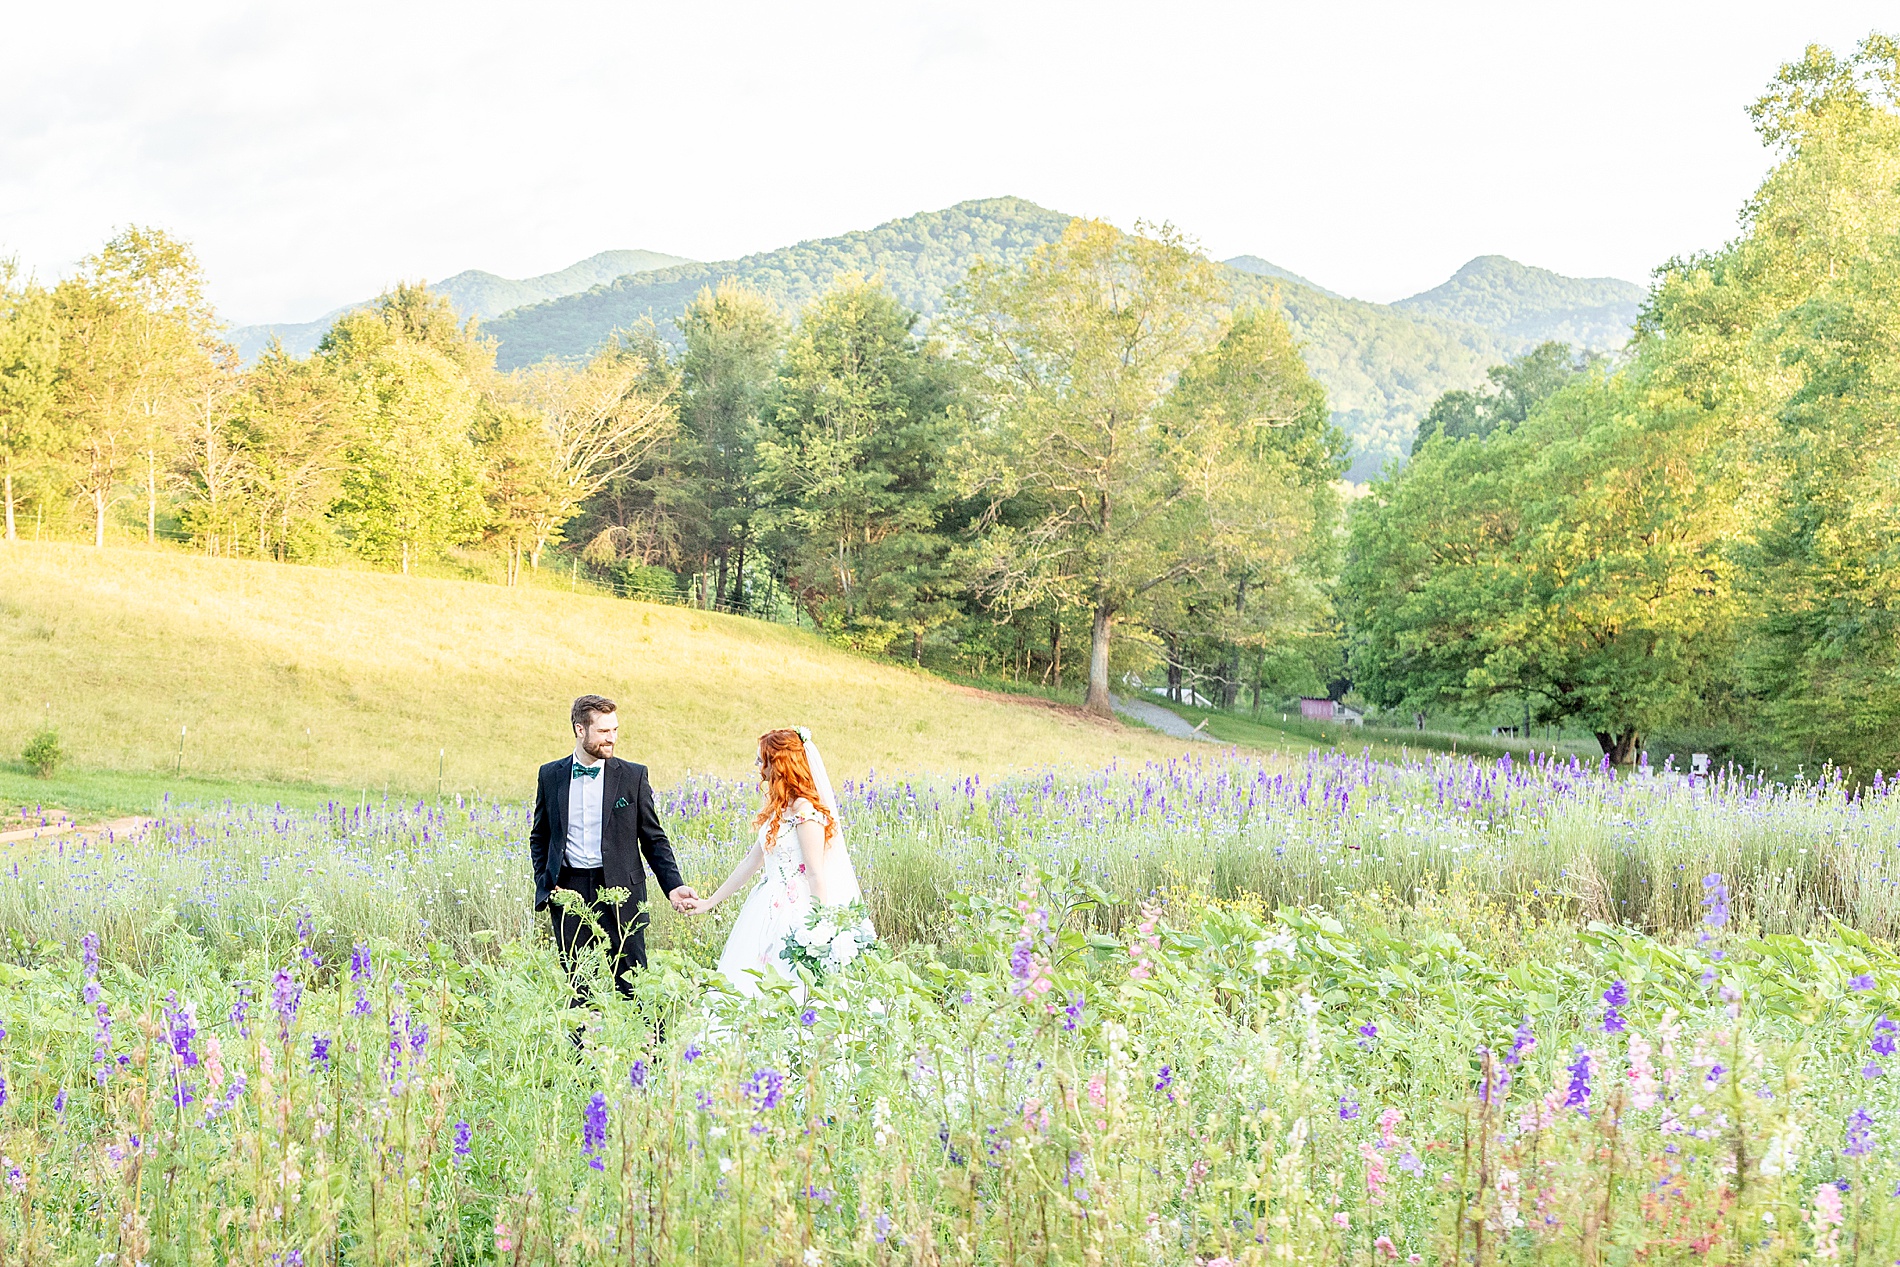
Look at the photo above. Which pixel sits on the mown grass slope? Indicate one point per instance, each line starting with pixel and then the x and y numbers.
pixel 353 679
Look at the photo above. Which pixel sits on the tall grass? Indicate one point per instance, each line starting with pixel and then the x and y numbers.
pixel 1555 834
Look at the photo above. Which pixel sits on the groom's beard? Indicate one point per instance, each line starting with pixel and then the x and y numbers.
pixel 599 749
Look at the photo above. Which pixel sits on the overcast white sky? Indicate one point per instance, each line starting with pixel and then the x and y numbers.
pixel 315 153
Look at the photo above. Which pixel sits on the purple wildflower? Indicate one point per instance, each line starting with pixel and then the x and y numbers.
pixel 692 1053
pixel 89 947
pixel 880 1227
pixel 286 993
pixel 1865 981
pixel 808 1017
pixel 1716 1071
pixel 1578 1095
pixel 594 1131
pixel 1072 1014
pixel 1860 1134
pixel 362 972
pixel 1883 1040
pixel 764 1089
pixel 181 1024
pixel 1521 1043
pixel 1714 900
pixel 637 1074
pixel 1368 1035
pixel 241 1011
pixel 59 1106
pixel 320 1053
pixel 463 1134
pixel 1348 1108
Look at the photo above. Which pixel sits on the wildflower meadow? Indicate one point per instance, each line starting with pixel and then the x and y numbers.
pixel 1205 1012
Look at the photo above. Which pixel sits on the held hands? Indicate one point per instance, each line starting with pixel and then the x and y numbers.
pixel 697 906
pixel 685 900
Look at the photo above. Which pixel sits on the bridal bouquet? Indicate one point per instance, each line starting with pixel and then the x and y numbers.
pixel 831 940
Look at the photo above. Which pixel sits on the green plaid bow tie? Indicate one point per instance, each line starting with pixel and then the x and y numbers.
pixel 587 771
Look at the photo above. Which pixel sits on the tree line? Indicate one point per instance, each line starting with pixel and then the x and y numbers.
pixel 1095 440
pixel 1703 537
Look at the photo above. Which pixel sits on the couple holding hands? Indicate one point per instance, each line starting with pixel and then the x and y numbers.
pixel 594 819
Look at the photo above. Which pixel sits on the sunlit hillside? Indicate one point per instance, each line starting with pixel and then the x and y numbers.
pixel 365 678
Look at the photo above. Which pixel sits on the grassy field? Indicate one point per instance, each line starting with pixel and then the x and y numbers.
pixel 1214 1011
pixel 312 683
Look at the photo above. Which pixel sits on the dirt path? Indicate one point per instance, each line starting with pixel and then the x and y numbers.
pixel 1161 719
pixel 58 827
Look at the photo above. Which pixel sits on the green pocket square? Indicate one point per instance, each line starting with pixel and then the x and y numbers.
pixel 621 803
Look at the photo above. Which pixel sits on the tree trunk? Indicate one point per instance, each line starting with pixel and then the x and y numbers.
pixel 99 521
pixel 151 497
pixel 1055 647
pixel 1097 700
pixel 1620 749
pixel 917 646
pixel 10 536
pixel 735 601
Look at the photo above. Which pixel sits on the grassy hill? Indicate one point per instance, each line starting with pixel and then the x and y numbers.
pixel 357 680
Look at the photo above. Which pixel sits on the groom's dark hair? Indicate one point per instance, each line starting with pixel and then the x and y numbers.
pixel 582 714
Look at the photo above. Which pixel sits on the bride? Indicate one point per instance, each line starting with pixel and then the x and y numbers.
pixel 799 857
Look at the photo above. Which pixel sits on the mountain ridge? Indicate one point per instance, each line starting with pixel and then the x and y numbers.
pixel 1382 364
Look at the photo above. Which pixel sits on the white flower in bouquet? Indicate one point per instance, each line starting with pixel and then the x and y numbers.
pixel 844 948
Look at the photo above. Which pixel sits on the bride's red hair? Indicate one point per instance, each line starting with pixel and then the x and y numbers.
pixel 786 776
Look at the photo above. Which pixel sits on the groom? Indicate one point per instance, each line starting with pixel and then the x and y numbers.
pixel 593 818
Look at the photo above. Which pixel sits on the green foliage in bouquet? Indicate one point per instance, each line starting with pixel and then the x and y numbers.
pixel 833 938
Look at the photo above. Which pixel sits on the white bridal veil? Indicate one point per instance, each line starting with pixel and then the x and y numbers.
pixel 841 876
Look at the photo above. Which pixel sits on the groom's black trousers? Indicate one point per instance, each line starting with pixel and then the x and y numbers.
pixel 625 927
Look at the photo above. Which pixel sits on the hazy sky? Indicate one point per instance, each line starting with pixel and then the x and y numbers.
pixel 316 153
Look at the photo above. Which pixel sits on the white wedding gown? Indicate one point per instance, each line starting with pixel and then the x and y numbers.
pixel 781 900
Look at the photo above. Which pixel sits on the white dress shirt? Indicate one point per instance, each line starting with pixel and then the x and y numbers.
pixel 583 817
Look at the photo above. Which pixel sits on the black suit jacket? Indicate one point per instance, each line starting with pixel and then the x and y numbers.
pixel 628 827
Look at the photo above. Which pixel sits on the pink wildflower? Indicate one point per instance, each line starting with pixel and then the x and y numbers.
pixel 214 1063
pixel 1826 1221
pixel 504 1239
pixel 1642 1076
pixel 1376 1175
pixel 1098 1092
pixel 1342 1219
pixel 1385 1246
pixel 1388 1128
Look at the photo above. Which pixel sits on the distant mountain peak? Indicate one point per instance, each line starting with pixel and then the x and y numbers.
pixel 1526 305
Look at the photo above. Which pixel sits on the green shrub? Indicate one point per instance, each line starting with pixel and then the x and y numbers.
pixel 43 755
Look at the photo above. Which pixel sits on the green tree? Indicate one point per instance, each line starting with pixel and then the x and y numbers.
pixel 294 424
pixel 734 338
pixel 1790 333
pixel 412 484
pixel 136 341
pixel 29 373
pixel 850 468
pixel 1517 387
pixel 557 435
pixel 1267 596
pixel 1098 497
pixel 1573 560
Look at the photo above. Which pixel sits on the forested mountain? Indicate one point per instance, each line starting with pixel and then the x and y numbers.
pixel 919 258
pixel 1382 365
pixel 475 293
pixel 1527 306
